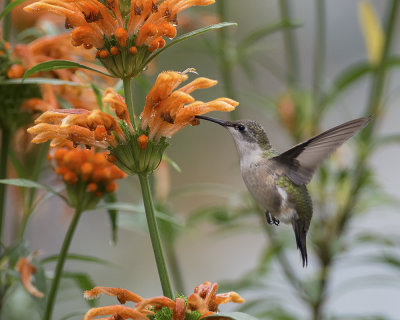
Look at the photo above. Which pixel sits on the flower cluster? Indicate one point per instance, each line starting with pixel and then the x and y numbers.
pixel 167 111
pixel 85 172
pixel 124 32
pixel 202 302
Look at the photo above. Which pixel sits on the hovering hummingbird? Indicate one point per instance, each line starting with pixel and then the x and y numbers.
pixel 278 181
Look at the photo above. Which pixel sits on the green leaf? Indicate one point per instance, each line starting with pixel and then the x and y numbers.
pixel 191 35
pixel 77 257
pixel 129 207
pixel 83 281
pixel 231 315
pixel 25 183
pixel 112 215
pixel 59 64
pixel 264 31
pixel 10 6
pixel 55 82
pixel 98 95
pixel 172 163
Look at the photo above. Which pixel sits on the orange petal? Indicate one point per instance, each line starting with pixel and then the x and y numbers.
pixel 25 268
pixel 122 295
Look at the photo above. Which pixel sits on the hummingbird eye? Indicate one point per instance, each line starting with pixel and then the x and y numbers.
pixel 241 127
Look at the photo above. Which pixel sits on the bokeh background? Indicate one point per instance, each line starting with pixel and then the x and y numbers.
pixel 209 246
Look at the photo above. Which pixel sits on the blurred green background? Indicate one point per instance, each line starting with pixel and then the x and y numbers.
pixel 225 240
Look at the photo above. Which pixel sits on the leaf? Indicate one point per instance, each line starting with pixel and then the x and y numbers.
pixel 55 82
pixel 59 64
pixel 10 6
pixel 25 183
pixel 231 315
pixel 259 33
pixel 129 207
pixel 78 257
pixel 191 35
pixel 172 163
pixel 112 215
pixel 83 281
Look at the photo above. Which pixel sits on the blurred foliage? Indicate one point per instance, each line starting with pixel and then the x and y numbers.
pixel 344 193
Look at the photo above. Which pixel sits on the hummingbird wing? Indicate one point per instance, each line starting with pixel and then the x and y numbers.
pixel 302 160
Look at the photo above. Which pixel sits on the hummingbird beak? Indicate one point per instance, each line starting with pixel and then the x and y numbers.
pixel 220 122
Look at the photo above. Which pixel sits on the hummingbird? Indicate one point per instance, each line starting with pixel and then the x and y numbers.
pixel 278 180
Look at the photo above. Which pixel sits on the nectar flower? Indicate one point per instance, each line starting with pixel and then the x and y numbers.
pixel 26 269
pixel 125 33
pixel 204 301
pixel 88 175
pixel 135 149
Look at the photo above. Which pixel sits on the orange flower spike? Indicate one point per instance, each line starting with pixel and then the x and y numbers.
pixel 59 155
pixel 100 133
pixel 110 158
pixel 111 187
pixel 208 313
pixel 157 302
pixel 116 173
pixel 121 35
pixel 122 295
pixel 232 296
pixel 142 141
pixel 86 170
pixel 98 117
pixel 146 34
pixel 85 35
pixel 73 159
pixel 118 311
pixel 179 311
pixel 92 187
pixel 15 71
pixel 133 50
pixel 70 177
pixel 198 83
pixel 114 51
pixel 100 175
pixel 25 268
pixel 117 103
pixel 103 54
pixel 99 160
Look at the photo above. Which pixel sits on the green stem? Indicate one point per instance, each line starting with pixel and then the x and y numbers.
pixel 60 264
pixel 291 51
pixel 319 54
pixel 5 143
pixel 129 99
pixel 155 236
pixel 225 64
pixel 7 23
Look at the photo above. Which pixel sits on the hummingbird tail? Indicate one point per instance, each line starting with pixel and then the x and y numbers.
pixel 301 233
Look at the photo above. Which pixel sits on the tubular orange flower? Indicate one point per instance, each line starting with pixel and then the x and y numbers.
pixel 85 173
pixel 26 269
pixel 121 25
pixel 204 301
pixel 167 110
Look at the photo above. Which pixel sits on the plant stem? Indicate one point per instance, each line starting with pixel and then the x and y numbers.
pixel 291 51
pixel 7 23
pixel 155 236
pixel 60 264
pixel 319 55
pixel 225 64
pixel 5 143
pixel 128 99
pixel 374 108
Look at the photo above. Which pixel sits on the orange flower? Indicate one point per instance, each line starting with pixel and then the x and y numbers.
pixel 117 26
pixel 204 300
pixel 26 269
pixel 83 166
pixel 168 111
pixel 57 47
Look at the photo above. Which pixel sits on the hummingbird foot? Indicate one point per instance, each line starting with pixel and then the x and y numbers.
pixel 271 219
pixel 268 217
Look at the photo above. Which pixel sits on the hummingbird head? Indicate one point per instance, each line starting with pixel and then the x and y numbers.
pixel 248 134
